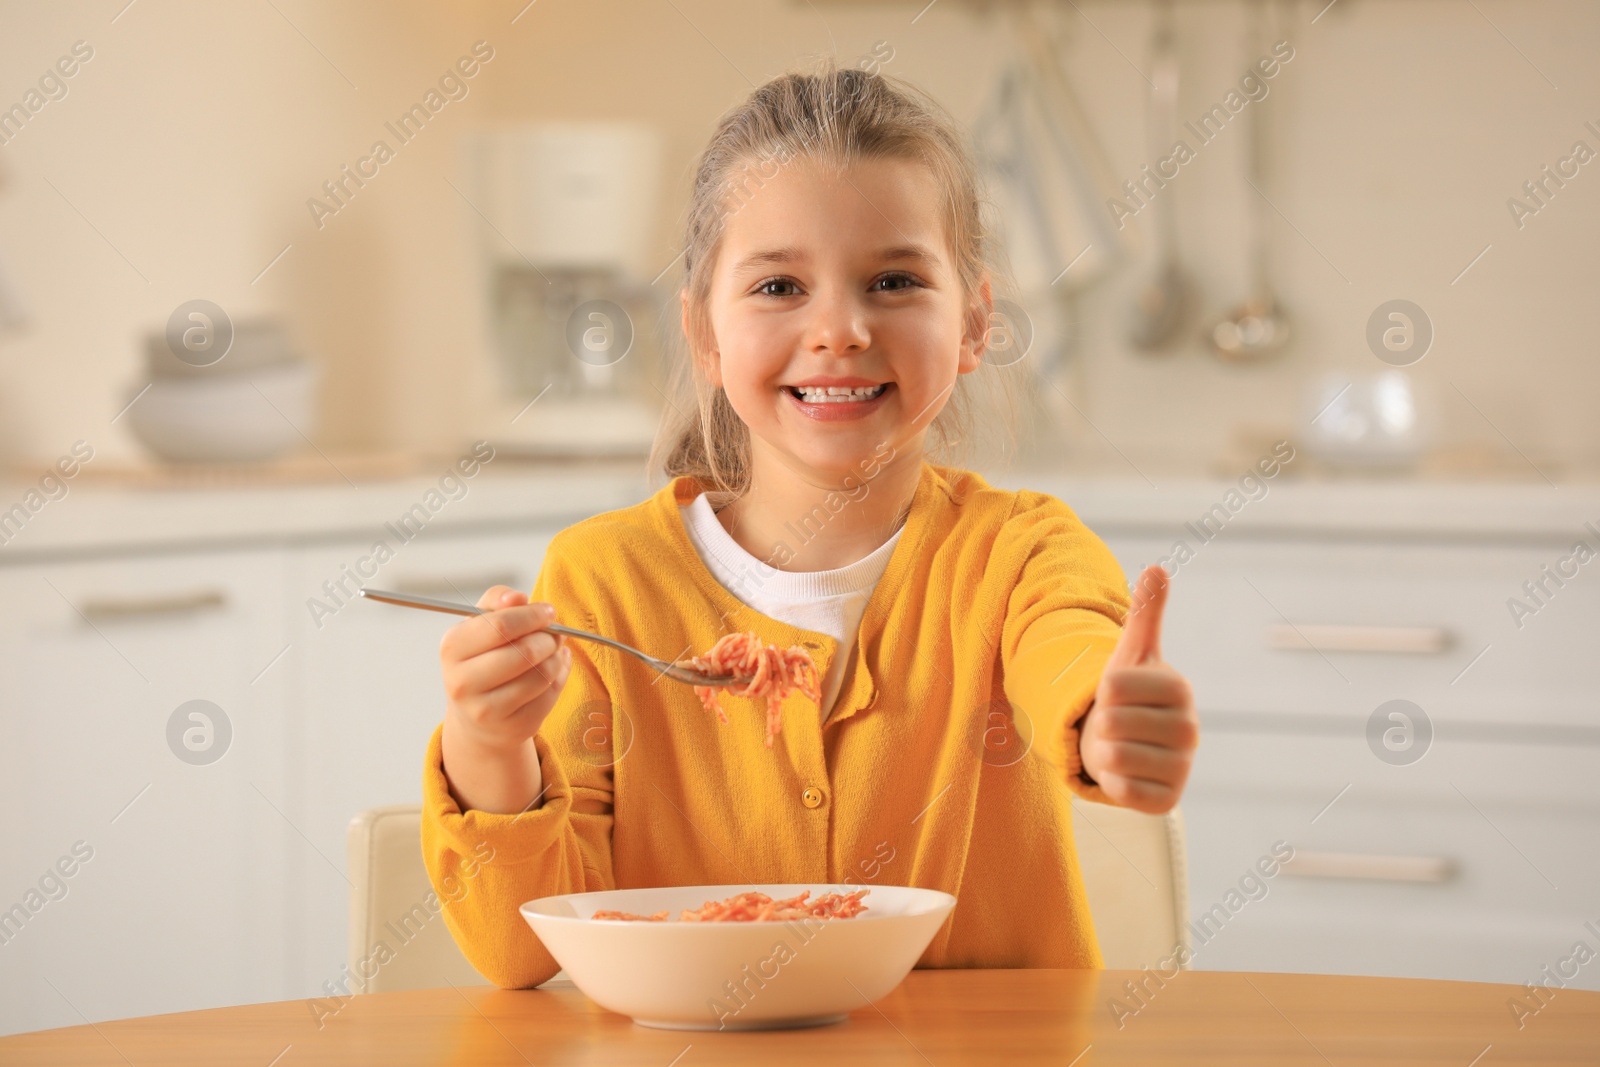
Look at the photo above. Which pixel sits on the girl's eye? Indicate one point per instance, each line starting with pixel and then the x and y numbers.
pixel 902 281
pixel 765 287
pixel 775 287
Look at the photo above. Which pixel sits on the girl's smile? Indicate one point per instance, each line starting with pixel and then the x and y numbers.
pixel 835 403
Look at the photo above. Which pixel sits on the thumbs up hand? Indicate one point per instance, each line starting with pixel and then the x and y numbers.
pixel 1138 738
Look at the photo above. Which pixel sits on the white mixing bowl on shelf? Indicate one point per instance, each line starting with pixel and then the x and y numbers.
pixel 226 418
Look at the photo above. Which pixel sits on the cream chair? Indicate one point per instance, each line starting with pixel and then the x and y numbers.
pixel 389 898
pixel 1136 871
pixel 1133 866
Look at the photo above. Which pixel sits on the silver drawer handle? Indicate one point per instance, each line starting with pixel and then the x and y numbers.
pixel 467 586
pixel 1370 867
pixel 153 606
pixel 1413 640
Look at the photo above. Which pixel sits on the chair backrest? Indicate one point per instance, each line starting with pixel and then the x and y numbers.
pixel 389 904
pixel 1133 868
pixel 1136 872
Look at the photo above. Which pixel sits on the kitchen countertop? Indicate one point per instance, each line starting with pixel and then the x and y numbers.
pixel 97 517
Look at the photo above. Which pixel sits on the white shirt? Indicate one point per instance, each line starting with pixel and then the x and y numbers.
pixel 830 602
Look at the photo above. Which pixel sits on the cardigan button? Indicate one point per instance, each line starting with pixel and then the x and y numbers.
pixel 812 797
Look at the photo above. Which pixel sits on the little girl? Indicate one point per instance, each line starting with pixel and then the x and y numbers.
pixel 975 648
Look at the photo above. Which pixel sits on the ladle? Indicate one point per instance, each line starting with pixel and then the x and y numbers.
pixel 1159 311
pixel 1258 328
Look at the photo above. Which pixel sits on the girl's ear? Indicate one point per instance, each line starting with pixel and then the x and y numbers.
pixel 975 340
pixel 710 365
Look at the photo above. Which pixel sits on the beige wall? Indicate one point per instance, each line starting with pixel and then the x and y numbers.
pixel 192 141
pixel 194 136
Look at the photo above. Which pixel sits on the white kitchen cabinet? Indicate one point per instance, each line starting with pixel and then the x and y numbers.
pixel 1487 857
pixel 225 879
pixel 187 878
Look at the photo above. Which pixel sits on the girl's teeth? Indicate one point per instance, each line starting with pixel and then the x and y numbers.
pixel 835 394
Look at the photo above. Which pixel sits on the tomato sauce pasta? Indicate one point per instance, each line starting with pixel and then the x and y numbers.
pixel 758 907
pixel 764 672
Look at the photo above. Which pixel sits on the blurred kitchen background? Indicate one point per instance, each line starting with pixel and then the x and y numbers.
pixel 240 346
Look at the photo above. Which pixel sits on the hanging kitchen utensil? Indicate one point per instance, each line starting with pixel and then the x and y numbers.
pixel 1162 306
pixel 1077 175
pixel 13 311
pixel 1032 234
pixel 1046 177
pixel 1258 328
pixel 1044 220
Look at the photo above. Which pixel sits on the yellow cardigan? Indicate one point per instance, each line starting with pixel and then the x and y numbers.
pixel 994 602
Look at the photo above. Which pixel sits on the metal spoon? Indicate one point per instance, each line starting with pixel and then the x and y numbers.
pixel 1159 311
pixel 672 670
pixel 1257 328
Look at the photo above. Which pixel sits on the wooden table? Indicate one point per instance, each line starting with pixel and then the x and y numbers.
pixel 936 1018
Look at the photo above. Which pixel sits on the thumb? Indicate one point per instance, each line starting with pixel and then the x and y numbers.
pixel 1141 632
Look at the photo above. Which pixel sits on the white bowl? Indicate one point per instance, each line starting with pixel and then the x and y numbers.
pixel 736 975
pixel 257 343
pixel 226 418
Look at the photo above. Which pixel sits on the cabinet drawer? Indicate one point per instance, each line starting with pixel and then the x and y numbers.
pixel 190 859
pixel 1494 919
pixel 1477 862
pixel 1338 628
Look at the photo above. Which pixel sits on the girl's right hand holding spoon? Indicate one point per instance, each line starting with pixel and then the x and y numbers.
pixel 503 672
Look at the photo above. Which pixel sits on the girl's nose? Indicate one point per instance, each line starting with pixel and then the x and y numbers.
pixel 838 324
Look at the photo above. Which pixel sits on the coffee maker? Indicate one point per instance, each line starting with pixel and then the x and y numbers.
pixel 566 219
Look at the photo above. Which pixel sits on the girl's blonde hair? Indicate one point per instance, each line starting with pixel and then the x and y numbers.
pixel 836 116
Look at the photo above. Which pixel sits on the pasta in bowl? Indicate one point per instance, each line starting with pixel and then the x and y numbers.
pixel 738 957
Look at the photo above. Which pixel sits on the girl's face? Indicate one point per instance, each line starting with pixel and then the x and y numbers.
pixel 843 279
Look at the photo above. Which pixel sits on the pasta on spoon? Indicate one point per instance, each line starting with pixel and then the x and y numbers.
pixel 763 672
